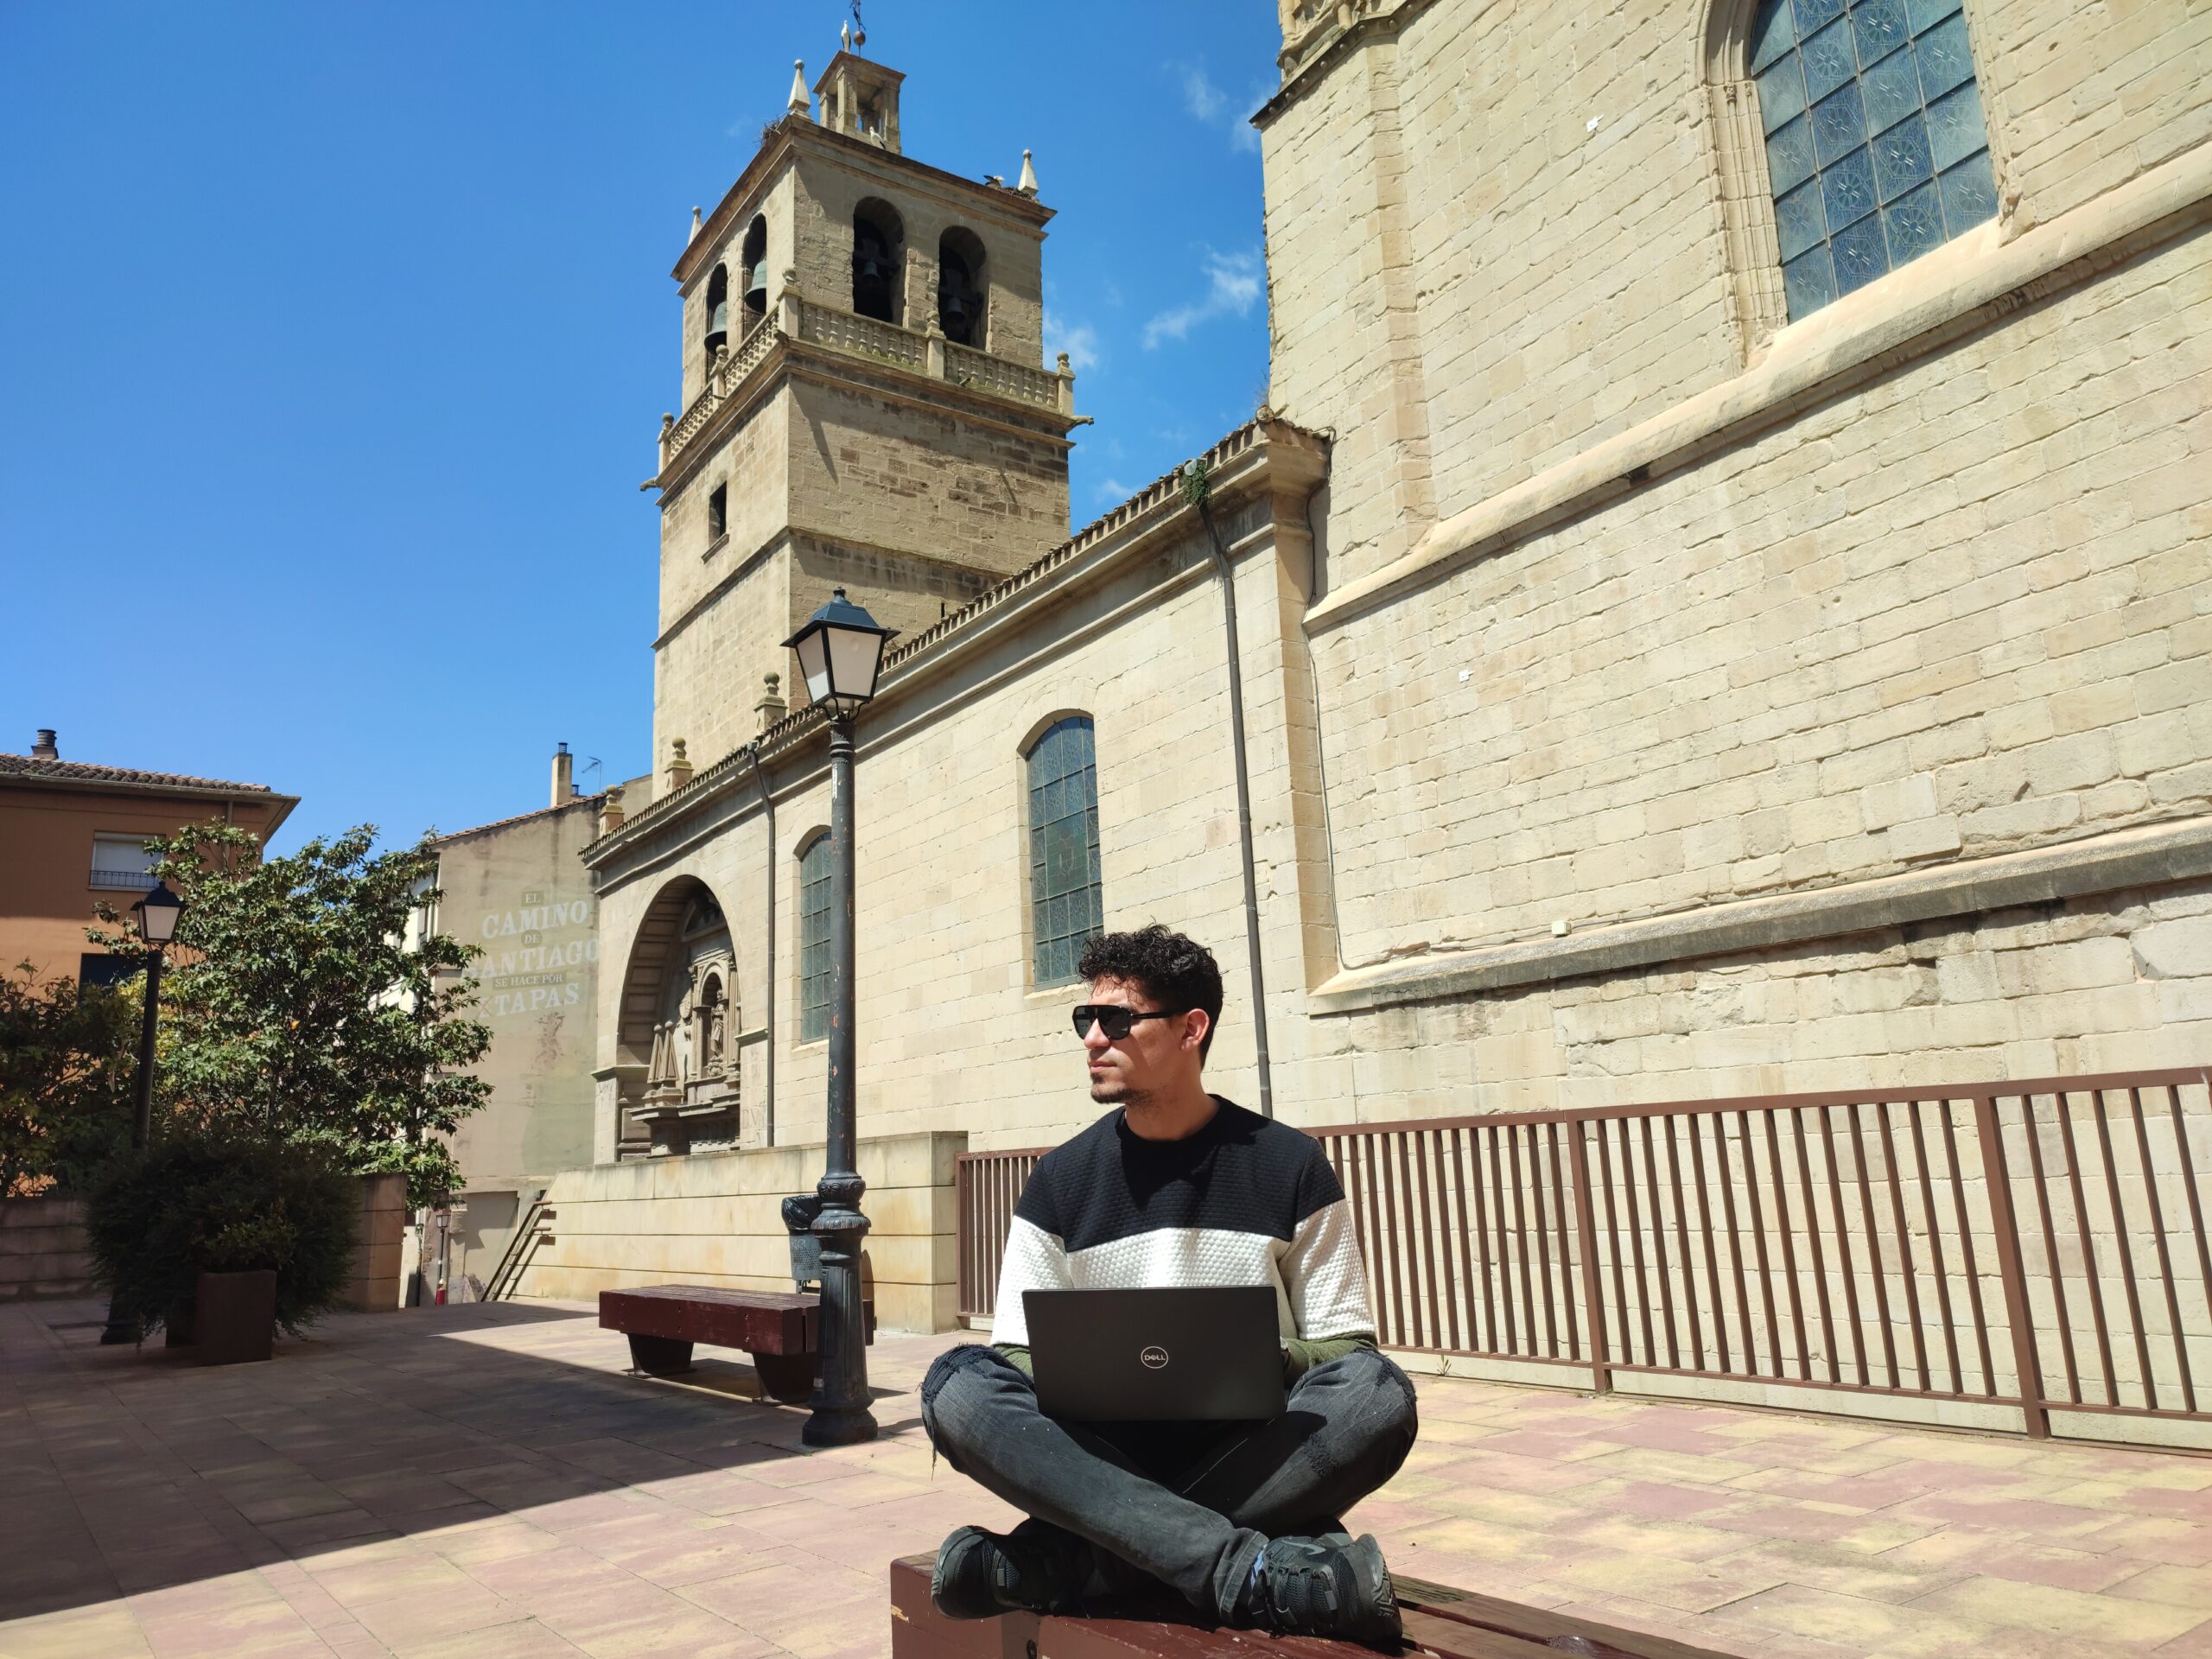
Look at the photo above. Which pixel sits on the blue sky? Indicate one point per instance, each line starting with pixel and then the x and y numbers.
pixel 333 339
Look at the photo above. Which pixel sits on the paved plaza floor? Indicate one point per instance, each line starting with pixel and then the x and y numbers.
pixel 486 1481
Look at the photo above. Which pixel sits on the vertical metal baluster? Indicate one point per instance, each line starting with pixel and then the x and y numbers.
pixel 1690 1298
pixel 1636 1242
pixel 1354 1156
pixel 1482 1242
pixel 1388 1209
pixel 1843 1248
pixel 2089 1251
pixel 1544 1243
pixel 1789 1244
pixel 2187 1171
pixel 1593 1277
pixel 1736 1240
pixel 1935 1250
pixel 1528 1307
pixel 1873 1243
pixel 1600 1125
pixel 1504 1250
pixel 1758 1243
pixel 1705 1226
pixel 1470 1228
pixel 1420 1138
pixel 1904 1242
pixel 1566 1254
pixel 2034 1410
pixel 2127 1252
pixel 1659 1246
pixel 2165 1261
pixel 2051 1242
pixel 1966 1250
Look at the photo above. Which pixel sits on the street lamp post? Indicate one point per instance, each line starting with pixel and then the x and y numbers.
pixel 839 654
pixel 157 914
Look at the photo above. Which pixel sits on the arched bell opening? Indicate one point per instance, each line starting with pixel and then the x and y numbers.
pixel 752 265
pixel 677 1031
pixel 717 311
pixel 962 287
pixel 879 254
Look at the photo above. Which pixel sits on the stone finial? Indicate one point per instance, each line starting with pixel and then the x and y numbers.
pixel 679 766
pixel 695 227
pixel 1065 369
pixel 1027 183
pixel 771 707
pixel 610 809
pixel 799 103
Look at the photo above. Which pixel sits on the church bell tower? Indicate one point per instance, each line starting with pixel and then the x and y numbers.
pixel 865 402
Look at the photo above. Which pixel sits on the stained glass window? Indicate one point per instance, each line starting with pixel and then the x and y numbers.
pixel 1066 904
pixel 814 940
pixel 1874 139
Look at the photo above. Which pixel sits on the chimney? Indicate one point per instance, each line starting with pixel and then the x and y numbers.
pixel 42 746
pixel 564 776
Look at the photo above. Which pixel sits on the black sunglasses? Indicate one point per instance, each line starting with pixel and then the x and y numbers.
pixel 1115 1020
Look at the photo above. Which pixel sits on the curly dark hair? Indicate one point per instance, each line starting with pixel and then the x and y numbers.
pixel 1176 972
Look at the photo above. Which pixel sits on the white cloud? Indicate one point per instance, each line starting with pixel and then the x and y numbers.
pixel 1112 489
pixel 1078 340
pixel 1204 100
pixel 1233 281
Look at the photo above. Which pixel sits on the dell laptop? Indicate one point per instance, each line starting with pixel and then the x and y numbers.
pixel 1211 1352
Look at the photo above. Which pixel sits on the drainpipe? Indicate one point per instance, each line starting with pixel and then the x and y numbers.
pixel 1197 491
pixel 768 807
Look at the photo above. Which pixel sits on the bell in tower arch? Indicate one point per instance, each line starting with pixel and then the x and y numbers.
pixel 754 265
pixel 717 312
pixel 875 261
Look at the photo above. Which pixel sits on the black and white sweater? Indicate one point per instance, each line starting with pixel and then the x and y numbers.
pixel 1244 1201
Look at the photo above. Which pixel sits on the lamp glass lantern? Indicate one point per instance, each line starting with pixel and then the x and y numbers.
pixel 157 914
pixel 841 654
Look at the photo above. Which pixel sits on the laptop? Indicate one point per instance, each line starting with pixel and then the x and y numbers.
pixel 1205 1353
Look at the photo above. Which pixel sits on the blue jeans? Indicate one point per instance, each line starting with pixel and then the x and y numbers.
pixel 1191 1510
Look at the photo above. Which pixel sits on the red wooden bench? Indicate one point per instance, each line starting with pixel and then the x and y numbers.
pixel 1441 1621
pixel 781 1330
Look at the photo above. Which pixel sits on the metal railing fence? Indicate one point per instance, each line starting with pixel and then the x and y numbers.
pixel 2039 1245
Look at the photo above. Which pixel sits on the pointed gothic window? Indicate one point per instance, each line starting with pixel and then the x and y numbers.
pixel 1875 148
pixel 814 939
pixel 1066 905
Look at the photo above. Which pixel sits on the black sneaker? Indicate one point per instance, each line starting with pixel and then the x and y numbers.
pixel 1305 1587
pixel 982 1574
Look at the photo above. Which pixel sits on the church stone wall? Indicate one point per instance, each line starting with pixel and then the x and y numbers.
pixel 1963 611
pixel 752 464
pixel 707 674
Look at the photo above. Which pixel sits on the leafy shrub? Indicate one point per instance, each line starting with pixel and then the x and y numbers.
pixel 195 1202
pixel 68 1057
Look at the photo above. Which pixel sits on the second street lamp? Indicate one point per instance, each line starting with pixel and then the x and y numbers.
pixel 157 914
pixel 840 655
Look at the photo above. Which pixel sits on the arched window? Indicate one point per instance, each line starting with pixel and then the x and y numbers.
pixel 814 939
pixel 879 240
pixel 1066 908
pixel 962 287
pixel 717 311
pixel 753 266
pixel 1875 148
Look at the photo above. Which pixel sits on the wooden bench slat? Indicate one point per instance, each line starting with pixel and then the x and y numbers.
pixel 759 1321
pixel 1440 1620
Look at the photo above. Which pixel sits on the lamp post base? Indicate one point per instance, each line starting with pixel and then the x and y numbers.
pixel 838 1426
pixel 119 1329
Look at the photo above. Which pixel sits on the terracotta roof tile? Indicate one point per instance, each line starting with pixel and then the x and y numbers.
pixel 67 772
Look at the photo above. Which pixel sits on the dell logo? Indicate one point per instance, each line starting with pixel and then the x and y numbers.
pixel 1153 1358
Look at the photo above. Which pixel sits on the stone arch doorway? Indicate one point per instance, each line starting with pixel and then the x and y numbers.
pixel 679 1028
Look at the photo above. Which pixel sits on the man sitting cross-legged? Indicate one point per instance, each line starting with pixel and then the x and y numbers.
pixel 1178 1187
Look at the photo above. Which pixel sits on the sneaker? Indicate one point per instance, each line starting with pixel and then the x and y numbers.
pixel 982 1574
pixel 1302 1586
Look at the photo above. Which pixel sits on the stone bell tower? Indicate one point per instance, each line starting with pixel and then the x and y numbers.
pixel 865 404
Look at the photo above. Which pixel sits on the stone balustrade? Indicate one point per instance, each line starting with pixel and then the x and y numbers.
pixel 922 352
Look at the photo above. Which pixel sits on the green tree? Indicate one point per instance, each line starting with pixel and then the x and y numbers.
pixel 68 1059
pixel 302 1004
